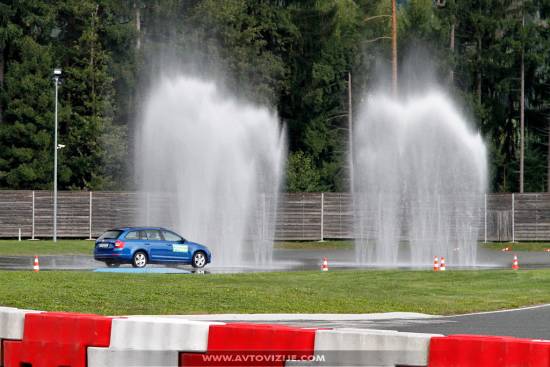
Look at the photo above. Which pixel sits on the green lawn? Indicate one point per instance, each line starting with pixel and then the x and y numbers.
pixel 46 247
pixel 312 245
pixel 518 246
pixel 451 292
pixel 84 247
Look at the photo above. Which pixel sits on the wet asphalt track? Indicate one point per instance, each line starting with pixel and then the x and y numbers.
pixel 283 260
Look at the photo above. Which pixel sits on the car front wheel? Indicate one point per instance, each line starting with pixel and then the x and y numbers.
pixel 199 259
pixel 139 260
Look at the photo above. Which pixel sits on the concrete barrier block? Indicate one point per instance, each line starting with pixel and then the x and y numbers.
pixel 11 322
pixel 488 351
pixel 369 347
pixel 159 333
pixel 105 357
pixel 57 339
pixel 243 344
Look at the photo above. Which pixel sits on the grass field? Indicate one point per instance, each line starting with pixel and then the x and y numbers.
pixel 314 245
pixel 518 246
pixel 45 247
pixel 84 247
pixel 452 292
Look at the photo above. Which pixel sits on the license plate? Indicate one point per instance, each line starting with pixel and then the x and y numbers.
pixel 103 245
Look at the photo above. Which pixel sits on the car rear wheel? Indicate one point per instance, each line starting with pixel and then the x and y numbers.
pixel 139 259
pixel 112 265
pixel 199 259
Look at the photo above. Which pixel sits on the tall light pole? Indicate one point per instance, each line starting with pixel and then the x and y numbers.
pixel 394 46
pixel 56 76
pixel 350 133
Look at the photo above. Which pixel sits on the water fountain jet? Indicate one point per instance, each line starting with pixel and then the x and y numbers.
pixel 419 175
pixel 210 167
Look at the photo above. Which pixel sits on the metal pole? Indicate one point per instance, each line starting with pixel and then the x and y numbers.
pixel 322 215
pixel 32 235
pixel 485 218
pixel 350 133
pixel 56 78
pixel 90 217
pixel 148 206
pixel 394 46
pixel 264 217
pixel 513 219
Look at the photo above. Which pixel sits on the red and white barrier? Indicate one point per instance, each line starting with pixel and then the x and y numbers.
pixel 160 333
pixel 57 339
pixel 150 341
pixel 369 347
pixel 46 339
pixel 488 351
pixel 243 344
pixel 12 324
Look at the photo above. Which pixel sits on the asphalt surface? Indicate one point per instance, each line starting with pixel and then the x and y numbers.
pixel 523 323
pixel 531 322
pixel 283 260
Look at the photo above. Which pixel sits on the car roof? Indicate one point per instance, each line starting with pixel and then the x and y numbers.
pixel 137 228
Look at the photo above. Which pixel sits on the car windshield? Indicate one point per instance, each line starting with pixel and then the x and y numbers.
pixel 110 235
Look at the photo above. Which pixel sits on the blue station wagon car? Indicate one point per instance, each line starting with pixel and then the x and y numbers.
pixel 140 246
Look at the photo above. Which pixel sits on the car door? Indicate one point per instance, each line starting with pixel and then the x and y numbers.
pixel 136 239
pixel 180 250
pixel 160 250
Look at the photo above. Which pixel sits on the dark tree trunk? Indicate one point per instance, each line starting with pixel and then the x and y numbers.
pixel 138 25
pixel 478 87
pixel 548 158
pixel 452 48
pixel 1 81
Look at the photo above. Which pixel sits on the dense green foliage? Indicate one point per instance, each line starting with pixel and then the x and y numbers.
pixel 292 55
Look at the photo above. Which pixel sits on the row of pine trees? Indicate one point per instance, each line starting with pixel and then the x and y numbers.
pixel 292 55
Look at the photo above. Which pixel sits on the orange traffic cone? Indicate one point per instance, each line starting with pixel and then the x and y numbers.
pixel 36 266
pixel 515 264
pixel 324 267
pixel 506 249
pixel 436 263
pixel 442 266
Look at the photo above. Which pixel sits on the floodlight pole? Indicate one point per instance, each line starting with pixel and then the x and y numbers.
pixel 350 132
pixel 394 46
pixel 56 75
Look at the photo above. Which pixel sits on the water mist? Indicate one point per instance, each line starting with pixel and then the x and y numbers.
pixel 419 176
pixel 210 167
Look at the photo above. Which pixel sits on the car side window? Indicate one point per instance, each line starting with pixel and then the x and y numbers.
pixel 132 235
pixel 153 235
pixel 172 237
pixel 142 235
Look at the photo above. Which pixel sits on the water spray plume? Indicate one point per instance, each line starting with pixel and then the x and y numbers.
pixel 419 178
pixel 210 167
